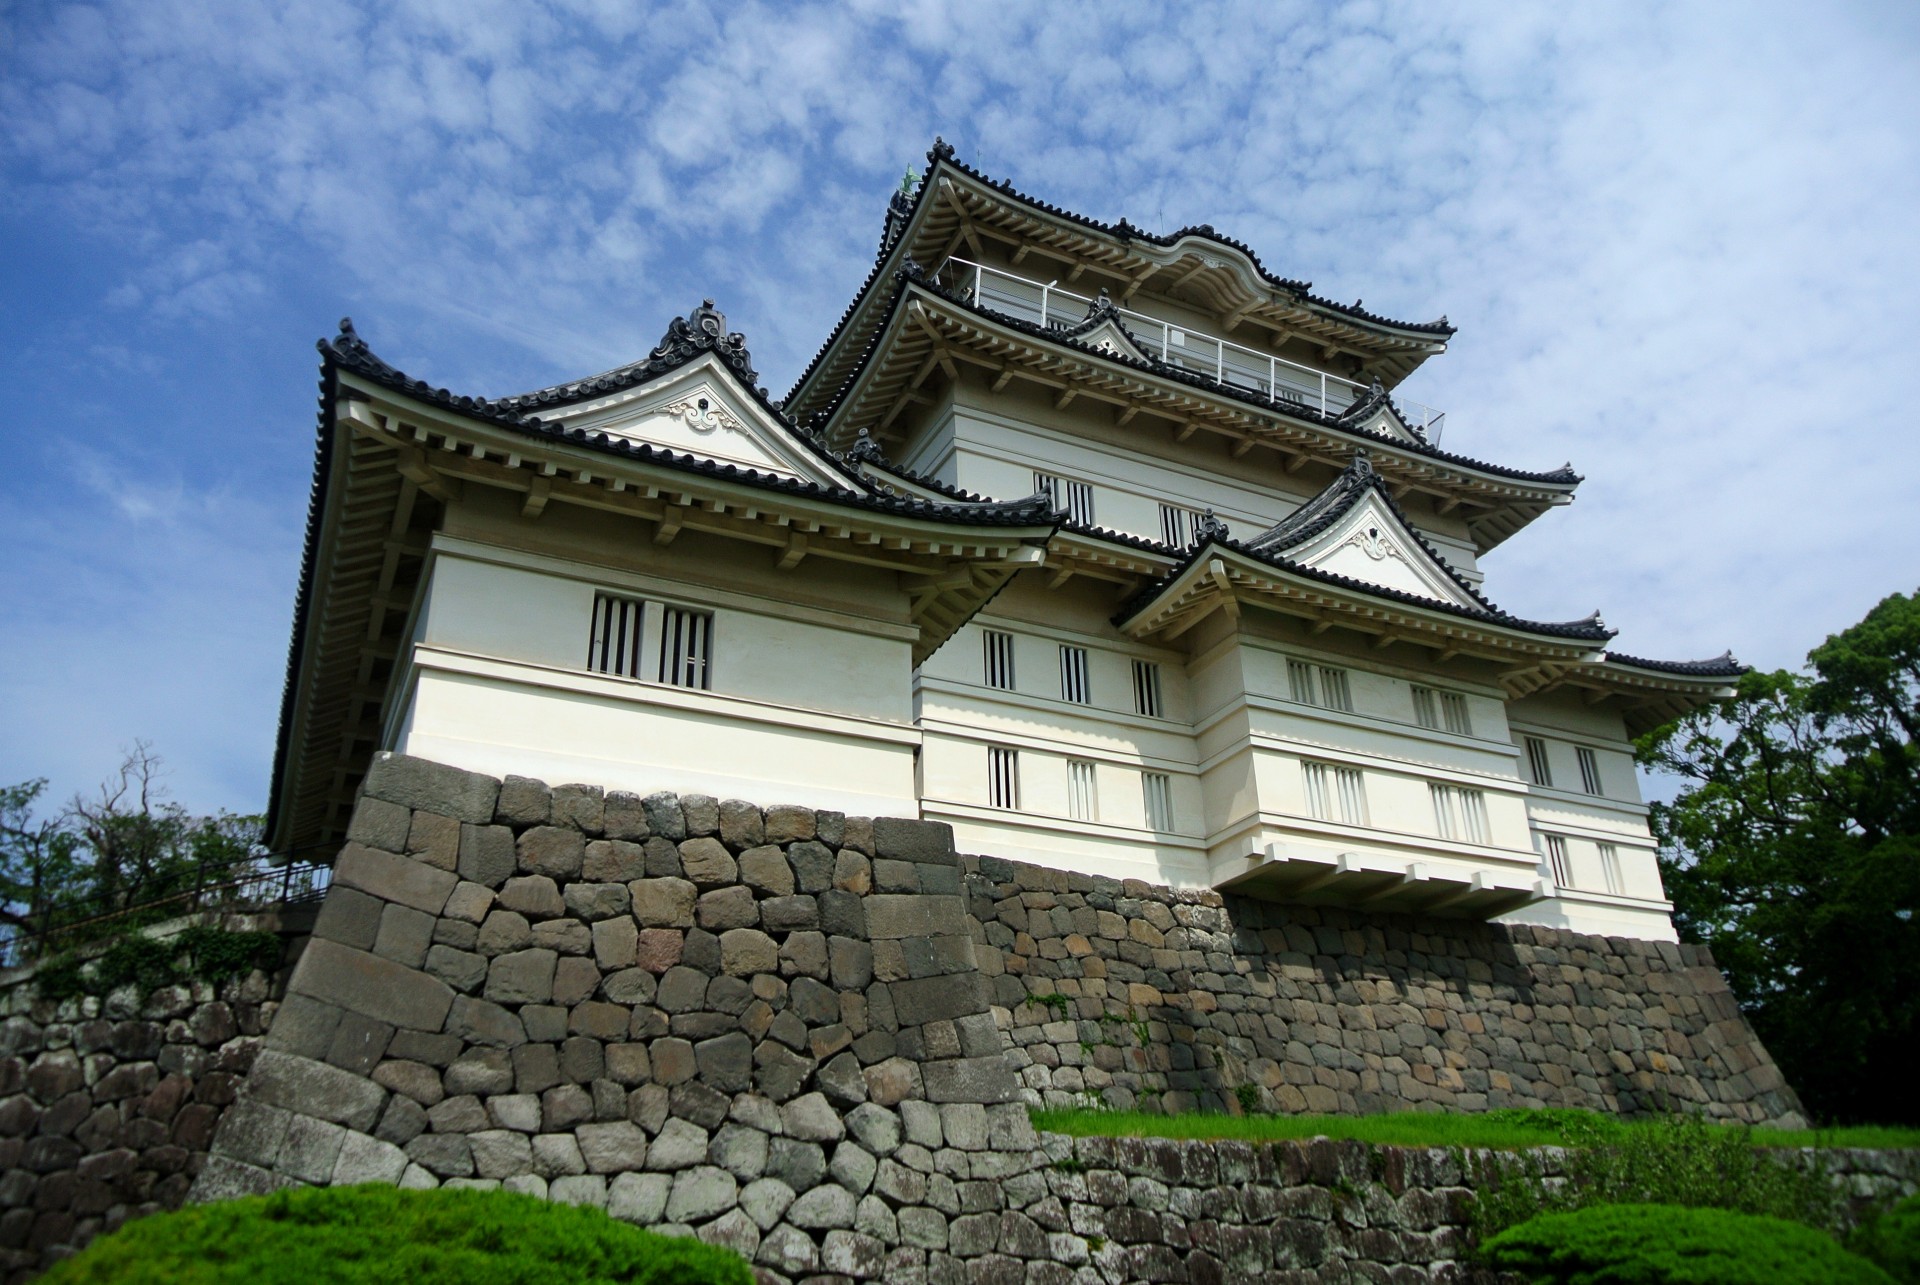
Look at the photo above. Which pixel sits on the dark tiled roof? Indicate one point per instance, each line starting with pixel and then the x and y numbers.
pixel 1721 666
pixel 901 208
pixel 912 274
pixel 1592 629
pixel 701 331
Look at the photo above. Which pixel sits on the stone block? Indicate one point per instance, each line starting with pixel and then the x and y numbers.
pixel 486 854
pixel 563 936
pixel 523 977
pixel 682 990
pixel 564 1106
pixel 852 873
pixel 225 1178
pixel 415 1079
pixel 702 813
pixel 405 880
pixel 501 1153
pixel 556 1155
pixel 850 963
pixel 639 1198
pixel 929 842
pixel 664 816
pixel 741 825
pixel 597 901
pixel 535 896
pixel 700 1193
pixel 900 916
pixel 812 864
pixel 673 1060
pixel 658 949
pixel 663 859
pixel 970 1079
pixel 740 1150
pixel 663 903
pixel 615 1147
pixel 789 914
pixel 380 824
pixel 804 954
pixel 934 999
pixel 624 817
pixel 479 1021
pixel 614 861
pixel 434 839
pixel 707 862
pixel 580 806
pixel 823 1208
pixel 252 1132
pixel 468 904
pixel 748 950
pixel 599 1021
pixel 462 970
pixel 418 783
pixel 766 1200
pixel 726 1062
pixel 405 934
pixel 574 979
pixel 365 1159
pixel 765 869
pixel 812 1119
pixel 304 1026
pixel 628 1064
pixel 349 917
pixel 523 801
pixel 372 986
pixel 724 908
pixel 631 987
pixel 311 1149
pixel 551 850
pixel 314 1088
pixel 893 1081
pixel 504 931
pixel 358 1043
pixel 786 823
pixel 536 1068
pixel 482 1071
pixel 615 942
pixel 445 1155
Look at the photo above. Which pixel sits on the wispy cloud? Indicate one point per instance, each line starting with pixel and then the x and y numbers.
pixel 1679 249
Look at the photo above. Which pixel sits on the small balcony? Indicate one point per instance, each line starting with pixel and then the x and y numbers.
pixel 1281 382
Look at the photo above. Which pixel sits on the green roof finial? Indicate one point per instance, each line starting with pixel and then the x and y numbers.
pixel 908 182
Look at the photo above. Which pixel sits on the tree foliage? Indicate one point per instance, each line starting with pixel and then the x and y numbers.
pixel 127 844
pixel 1793 851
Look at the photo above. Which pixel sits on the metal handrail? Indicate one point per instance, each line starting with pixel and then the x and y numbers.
pixel 248 884
pixel 1280 381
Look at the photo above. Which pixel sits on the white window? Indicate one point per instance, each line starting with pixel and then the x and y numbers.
pixel 1075 497
pixel 1335 793
pixel 1300 682
pixel 1157 787
pixel 1538 767
pixel 1610 869
pixel 614 645
pixel 1073 675
pixel 1589 770
pixel 1146 688
pixel 1557 861
pixel 1083 803
pixel 1460 813
pixel 1003 777
pixel 1176 525
pixel 1334 693
pixel 686 646
pixel 1425 711
pixel 1453 712
pixel 999 658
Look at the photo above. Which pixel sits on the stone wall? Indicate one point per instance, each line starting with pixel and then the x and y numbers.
pixel 108 1104
pixel 1133 994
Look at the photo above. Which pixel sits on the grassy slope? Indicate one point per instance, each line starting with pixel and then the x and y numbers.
pixel 1501 1129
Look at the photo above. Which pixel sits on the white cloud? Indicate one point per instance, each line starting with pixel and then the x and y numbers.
pixel 1679 248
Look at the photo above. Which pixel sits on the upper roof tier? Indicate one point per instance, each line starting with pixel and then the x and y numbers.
pixel 956 206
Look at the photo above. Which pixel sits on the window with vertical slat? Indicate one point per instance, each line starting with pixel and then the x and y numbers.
pixel 1157 789
pixel 1146 688
pixel 613 647
pixel 1610 869
pixel 998 647
pixel 1557 861
pixel 686 645
pixel 1083 804
pixel 1589 770
pixel 1073 675
pixel 1003 777
pixel 1538 767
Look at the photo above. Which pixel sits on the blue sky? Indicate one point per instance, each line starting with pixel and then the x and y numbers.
pixel 1679 242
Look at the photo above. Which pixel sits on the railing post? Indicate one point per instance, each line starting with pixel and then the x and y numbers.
pixel 1323 393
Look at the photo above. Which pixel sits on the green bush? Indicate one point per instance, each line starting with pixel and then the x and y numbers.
pixel 377 1235
pixel 1893 1240
pixel 1671 1245
pixel 1681 1160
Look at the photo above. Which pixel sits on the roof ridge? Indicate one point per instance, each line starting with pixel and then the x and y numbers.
pixel 1722 666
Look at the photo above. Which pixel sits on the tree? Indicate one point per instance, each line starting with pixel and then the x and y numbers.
pixel 1793 851
pixel 126 845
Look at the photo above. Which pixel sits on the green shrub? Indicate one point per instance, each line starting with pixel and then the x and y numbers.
pixel 1893 1240
pixel 378 1235
pixel 1670 1245
pixel 1682 1160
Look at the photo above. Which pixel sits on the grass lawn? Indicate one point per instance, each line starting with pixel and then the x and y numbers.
pixel 1501 1129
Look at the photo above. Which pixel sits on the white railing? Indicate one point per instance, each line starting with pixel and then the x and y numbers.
pixel 1280 381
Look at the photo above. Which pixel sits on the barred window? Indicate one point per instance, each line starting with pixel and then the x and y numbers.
pixel 1146 688
pixel 614 645
pixel 1157 788
pixel 686 645
pixel 1083 804
pixel 1453 712
pixel 1073 675
pixel 1557 861
pixel 1003 777
pixel 999 658
pixel 1300 682
pixel 1075 497
pixel 1176 525
pixel 1460 813
pixel 1538 768
pixel 1335 793
pixel 1610 869
pixel 1334 693
pixel 1425 712
pixel 1589 770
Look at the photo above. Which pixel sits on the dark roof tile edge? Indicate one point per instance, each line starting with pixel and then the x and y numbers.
pixel 1721 666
